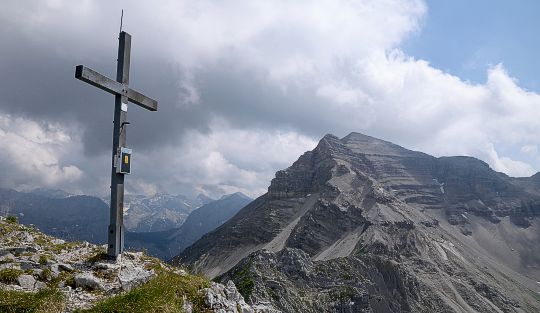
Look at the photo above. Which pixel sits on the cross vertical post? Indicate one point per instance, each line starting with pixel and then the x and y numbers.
pixel 116 226
pixel 121 155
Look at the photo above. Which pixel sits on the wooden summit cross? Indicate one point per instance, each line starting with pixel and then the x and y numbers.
pixel 121 155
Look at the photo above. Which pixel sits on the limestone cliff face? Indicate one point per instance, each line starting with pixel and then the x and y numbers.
pixel 363 225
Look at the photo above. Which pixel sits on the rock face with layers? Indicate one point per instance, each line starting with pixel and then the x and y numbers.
pixel 363 225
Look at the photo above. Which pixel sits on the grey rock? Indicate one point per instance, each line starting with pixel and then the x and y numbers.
pixel 88 281
pixel 224 299
pixel 25 265
pixel 40 285
pixel 22 249
pixel 10 265
pixel 57 241
pixel 131 276
pixel 105 266
pixel 25 237
pixel 26 281
pixel 66 267
pixel 55 270
pixel 7 256
pixel 34 258
pixel 187 307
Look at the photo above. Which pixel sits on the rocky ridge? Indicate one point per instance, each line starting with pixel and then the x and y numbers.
pixel 363 225
pixel 81 276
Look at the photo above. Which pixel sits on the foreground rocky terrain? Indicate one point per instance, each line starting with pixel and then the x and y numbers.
pixel 363 225
pixel 39 273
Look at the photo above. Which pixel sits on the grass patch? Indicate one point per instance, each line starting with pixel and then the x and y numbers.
pixel 163 293
pixel 43 259
pixel 63 246
pixel 46 274
pixel 43 301
pixel 99 255
pixel 9 275
pixel 11 219
pixel 243 281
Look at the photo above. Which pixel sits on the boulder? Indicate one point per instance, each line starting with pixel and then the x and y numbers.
pixel 225 299
pixel 66 267
pixel 26 281
pixel 131 276
pixel 58 241
pixel 88 281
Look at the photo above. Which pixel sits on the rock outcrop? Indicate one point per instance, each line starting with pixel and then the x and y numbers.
pixel 31 261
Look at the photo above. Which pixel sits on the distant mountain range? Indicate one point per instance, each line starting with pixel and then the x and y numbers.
pixel 162 224
pixel 70 217
pixel 159 212
pixel 167 244
pixel 363 225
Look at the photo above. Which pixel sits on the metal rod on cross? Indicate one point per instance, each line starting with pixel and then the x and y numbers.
pixel 121 155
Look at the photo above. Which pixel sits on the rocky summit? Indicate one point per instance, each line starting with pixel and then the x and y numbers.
pixel 363 225
pixel 43 274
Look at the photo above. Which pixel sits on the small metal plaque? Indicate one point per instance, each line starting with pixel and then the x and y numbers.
pixel 124 106
pixel 123 162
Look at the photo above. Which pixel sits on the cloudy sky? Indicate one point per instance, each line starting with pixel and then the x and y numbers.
pixel 245 87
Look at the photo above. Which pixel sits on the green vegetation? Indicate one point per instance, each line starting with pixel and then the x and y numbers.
pixel 12 219
pixel 44 301
pixel 43 259
pixel 100 255
pixel 243 281
pixel 67 278
pixel 163 293
pixel 40 240
pixel 9 275
pixel 342 294
pixel 64 246
pixel 272 294
pixel 46 274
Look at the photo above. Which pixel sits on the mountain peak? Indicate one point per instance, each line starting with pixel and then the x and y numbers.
pixel 365 144
pixel 238 194
pixel 361 208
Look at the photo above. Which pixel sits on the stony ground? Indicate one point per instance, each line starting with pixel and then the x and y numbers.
pixel 76 276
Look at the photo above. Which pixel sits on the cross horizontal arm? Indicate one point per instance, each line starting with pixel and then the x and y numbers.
pixel 97 80
pixel 142 100
pixel 104 83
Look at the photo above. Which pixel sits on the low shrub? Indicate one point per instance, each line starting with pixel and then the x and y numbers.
pixel 9 275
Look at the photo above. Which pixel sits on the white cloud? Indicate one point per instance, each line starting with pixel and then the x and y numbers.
pixel 225 160
pixel 31 154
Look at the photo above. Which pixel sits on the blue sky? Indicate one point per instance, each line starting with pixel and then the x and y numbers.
pixel 466 37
